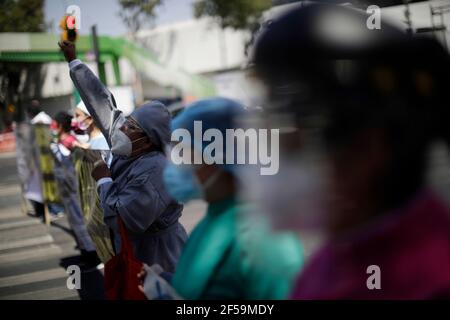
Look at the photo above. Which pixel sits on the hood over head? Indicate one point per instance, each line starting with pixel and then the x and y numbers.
pixel 154 118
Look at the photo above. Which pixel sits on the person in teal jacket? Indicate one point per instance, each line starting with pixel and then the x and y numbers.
pixel 227 256
pixel 223 258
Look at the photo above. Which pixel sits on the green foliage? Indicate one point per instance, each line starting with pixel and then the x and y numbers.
pixel 237 14
pixel 22 16
pixel 136 13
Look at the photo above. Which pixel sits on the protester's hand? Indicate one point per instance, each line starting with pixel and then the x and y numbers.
pixel 154 286
pixel 68 48
pixel 100 170
pixel 54 147
pixel 141 276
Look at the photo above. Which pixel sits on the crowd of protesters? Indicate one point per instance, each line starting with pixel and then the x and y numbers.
pixel 357 112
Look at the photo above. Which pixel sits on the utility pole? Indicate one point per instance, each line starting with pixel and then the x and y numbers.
pixel 408 21
pixel 100 65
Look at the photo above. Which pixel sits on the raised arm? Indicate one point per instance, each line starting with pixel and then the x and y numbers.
pixel 97 98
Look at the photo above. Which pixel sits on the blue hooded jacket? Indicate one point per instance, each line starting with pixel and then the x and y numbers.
pixel 137 192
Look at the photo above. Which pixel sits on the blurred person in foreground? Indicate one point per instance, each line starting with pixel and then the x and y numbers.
pixel 358 111
pixel 227 256
pixel 131 187
pixel 67 181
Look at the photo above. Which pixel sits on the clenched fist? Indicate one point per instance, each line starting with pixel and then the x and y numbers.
pixel 100 170
pixel 68 48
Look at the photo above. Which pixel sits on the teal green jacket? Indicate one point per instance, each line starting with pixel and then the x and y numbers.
pixel 229 257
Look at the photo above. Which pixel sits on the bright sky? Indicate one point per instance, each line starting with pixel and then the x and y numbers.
pixel 105 13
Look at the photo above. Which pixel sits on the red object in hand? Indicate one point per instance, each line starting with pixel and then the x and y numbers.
pixel 68 141
pixel 121 281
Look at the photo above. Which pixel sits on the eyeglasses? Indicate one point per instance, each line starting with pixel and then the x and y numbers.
pixel 132 125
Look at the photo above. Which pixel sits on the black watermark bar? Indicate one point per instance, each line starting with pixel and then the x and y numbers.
pixel 228 309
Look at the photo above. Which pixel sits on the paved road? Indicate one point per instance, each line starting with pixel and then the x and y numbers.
pixel 30 252
pixel 33 257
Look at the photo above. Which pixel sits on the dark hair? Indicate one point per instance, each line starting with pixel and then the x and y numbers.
pixel 64 120
pixel 34 108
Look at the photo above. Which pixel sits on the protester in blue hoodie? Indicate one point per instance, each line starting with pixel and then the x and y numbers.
pixel 132 186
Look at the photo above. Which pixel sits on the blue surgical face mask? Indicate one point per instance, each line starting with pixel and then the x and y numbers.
pixel 181 183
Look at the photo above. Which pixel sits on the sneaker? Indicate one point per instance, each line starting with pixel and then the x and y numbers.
pixel 85 268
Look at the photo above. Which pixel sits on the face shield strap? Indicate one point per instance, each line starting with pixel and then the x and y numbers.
pixel 211 180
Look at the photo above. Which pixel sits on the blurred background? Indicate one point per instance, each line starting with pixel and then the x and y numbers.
pixel 172 50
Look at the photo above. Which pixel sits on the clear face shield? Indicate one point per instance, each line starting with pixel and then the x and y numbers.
pixel 296 196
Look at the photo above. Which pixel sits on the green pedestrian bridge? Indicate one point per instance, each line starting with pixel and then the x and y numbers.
pixel 43 48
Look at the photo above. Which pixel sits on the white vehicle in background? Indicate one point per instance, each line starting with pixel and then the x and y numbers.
pixel 124 97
